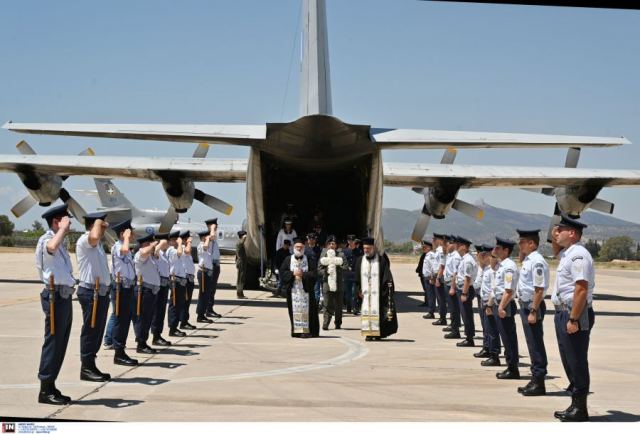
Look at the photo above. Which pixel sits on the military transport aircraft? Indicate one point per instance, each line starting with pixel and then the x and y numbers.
pixel 346 157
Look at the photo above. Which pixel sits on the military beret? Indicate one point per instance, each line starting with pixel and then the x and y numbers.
pixel 351 237
pixel 567 221
pixel 440 236
pixel 56 211
pixel 332 239
pixel 203 233
pixel 462 240
pixel 89 218
pixel 503 242
pixel 146 239
pixel 121 226
pixel 213 221
pixel 528 232
pixel 174 234
pixel 427 243
pixel 162 236
pixel 368 241
pixel 185 234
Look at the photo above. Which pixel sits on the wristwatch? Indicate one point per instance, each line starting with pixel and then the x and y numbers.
pixel 573 321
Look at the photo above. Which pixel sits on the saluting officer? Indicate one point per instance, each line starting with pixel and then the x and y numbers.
pixel 573 298
pixel 214 249
pixel 122 264
pixel 437 281
pixel 505 309
pixel 532 286
pixel 160 306
pixel 190 271
pixel 464 278
pixel 205 275
pixel 146 263
pixel 451 266
pixel 53 261
pixel 176 300
pixel 94 284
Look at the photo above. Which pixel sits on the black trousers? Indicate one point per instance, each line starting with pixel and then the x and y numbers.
pixel 205 280
pixel 492 333
pixel 534 334
pixel 214 286
pixel 121 322
pixel 466 309
pixel 454 308
pixel 574 351
pixel 442 296
pixel 184 317
pixel 483 314
pixel 142 322
pixel 159 311
pixel 54 347
pixel 508 334
pixel 90 338
pixel 175 309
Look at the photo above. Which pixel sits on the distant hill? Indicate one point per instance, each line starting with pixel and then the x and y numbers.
pixel 398 224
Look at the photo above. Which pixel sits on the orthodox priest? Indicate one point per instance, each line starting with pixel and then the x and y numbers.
pixel 298 274
pixel 376 288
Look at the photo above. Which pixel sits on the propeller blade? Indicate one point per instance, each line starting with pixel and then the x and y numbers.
pixel 88 152
pixel 213 202
pixel 449 156
pixel 20 208
pixel 555 219
pixel 169 219
pixel 602 205
pixel 573 155
pixel 201 151
pixel 421 226
pixel 468 209
pixel 25 149
pixel 74 206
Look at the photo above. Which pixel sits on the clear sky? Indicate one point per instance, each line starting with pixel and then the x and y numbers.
pixel 407 64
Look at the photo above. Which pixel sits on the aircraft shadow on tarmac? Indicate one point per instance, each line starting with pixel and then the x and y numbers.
pixel 148 381
pixel 111 403
pixel 167 365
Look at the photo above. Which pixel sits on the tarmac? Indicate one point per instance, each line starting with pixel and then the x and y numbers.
pixel 246 367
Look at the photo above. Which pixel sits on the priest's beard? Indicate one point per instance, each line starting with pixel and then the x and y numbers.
pixel 371 256
pixel 298 254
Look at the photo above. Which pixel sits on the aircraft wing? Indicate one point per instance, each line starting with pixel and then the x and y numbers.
pixel 437 139
pixel 228 134
pixel 467 176
pixel 195 169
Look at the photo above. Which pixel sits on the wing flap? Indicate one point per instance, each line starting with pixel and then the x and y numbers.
pixel 228 134
pixel 437 139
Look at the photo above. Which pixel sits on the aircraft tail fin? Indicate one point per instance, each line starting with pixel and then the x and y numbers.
pixel 110 196
pixel 315 86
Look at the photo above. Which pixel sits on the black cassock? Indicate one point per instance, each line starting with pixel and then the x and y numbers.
pixel 308 283
pixel 387 327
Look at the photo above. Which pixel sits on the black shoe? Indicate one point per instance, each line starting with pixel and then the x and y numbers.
pixel 59 394
pixel 561 414
pixel 466 343
pixel 508 374
pixel 534 388
pixel 356 313
pixel 441 321
pixel 159 341
pixel 578 412
pixel 187 326
pixel 338 326
pixel 491 361
pixel 325 327
pixel 521 388
pixel 242 297
pixel 428 316
pixel 423 304
pixel 481 354
pixel 213 314
pixel 204 319
pixel 368 338
pixel 145 349
pixel 348 310
pixel 176 332
pixel 447 329
pixel 121 358
pixel 89 372
pixel 48 395
pixel 452 335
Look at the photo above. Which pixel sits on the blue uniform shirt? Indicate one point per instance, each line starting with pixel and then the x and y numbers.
pixel 164 267
pixel 147 269
pixel 58 263
pixel 575 264
pixel 534 273
pixel 122 264
pixel 92 263
pixel 506 277
pixel 176 262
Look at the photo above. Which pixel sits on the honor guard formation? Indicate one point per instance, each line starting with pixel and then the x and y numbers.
pixel 318 275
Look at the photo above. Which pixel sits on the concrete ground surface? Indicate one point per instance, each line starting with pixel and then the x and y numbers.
pixel 246 367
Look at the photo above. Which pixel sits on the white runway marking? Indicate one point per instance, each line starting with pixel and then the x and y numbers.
pixel 355 350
